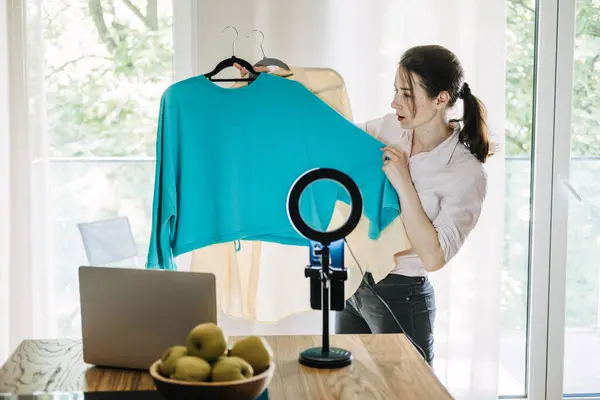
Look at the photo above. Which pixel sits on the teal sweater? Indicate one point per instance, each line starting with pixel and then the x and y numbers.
pixel 226 159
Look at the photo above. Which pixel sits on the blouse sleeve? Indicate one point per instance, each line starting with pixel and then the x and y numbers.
pixel 459 213
pixel 372 127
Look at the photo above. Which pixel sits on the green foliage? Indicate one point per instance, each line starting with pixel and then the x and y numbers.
pixel 586 117
pixel 520 48
pixel 103 101
pixel 520 45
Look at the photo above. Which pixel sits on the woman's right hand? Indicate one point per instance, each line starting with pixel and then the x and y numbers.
pixel 244 71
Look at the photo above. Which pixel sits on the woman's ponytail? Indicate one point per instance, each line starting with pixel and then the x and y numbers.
pixel 474 132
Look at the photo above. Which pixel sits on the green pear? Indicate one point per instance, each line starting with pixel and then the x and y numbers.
pixel 189 368
pixel 219 359
pixel 231 369
pixel 206 341
pixel 168 359
pixel 255 350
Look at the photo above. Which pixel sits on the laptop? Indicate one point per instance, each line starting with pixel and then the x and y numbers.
pixel 129 317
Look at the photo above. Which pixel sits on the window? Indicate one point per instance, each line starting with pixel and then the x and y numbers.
pixel 567 243
pixel 520 56
pixel 101 89
pixel 582 307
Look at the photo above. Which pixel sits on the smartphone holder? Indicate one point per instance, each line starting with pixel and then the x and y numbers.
pixel 322 275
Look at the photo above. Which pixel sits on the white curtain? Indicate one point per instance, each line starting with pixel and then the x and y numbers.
pixel 25 300
pixel 4 184
pixel 17 307
pixel 363 41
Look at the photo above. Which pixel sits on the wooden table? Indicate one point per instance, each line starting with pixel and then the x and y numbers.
pixel 385 367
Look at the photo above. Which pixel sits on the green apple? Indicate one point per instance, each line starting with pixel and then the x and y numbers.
pixel 206 341
pixel 189 368
pixel 168 359
pixel 231 369
pixel 255 350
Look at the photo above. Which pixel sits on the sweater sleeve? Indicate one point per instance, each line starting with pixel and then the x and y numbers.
pixel 164 211
pixel 345 146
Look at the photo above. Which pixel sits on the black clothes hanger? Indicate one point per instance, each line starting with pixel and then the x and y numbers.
pixel 268 61
pixel 228 62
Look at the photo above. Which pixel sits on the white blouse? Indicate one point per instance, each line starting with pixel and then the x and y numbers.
pixel 450 182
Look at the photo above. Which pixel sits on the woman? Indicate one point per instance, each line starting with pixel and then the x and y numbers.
pixel 437 170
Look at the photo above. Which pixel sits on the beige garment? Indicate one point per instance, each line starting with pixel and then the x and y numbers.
pixel 265 281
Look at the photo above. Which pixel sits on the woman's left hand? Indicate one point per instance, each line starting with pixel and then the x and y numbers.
pixel 395 165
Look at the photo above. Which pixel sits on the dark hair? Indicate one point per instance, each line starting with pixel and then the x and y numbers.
pixel 440 70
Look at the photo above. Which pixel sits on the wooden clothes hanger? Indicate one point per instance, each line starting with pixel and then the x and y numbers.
pixel 228 62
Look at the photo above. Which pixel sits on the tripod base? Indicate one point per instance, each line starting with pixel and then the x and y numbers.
pixel 316 358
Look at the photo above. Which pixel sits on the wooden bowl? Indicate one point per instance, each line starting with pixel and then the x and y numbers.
pixel 246 389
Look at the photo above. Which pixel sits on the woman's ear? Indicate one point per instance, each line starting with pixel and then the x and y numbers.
pixel 442 99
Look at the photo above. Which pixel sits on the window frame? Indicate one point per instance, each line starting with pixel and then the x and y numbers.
pixel 553 80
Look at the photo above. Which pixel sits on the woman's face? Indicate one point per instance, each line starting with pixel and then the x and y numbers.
pixel 425 108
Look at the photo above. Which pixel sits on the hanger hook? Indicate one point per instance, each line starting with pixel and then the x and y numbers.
pixel 236 36
pixel 261 42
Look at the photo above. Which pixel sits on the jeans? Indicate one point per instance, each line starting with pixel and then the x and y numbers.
pixel 411 299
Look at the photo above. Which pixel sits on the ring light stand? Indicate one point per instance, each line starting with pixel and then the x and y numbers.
pixel 324 277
